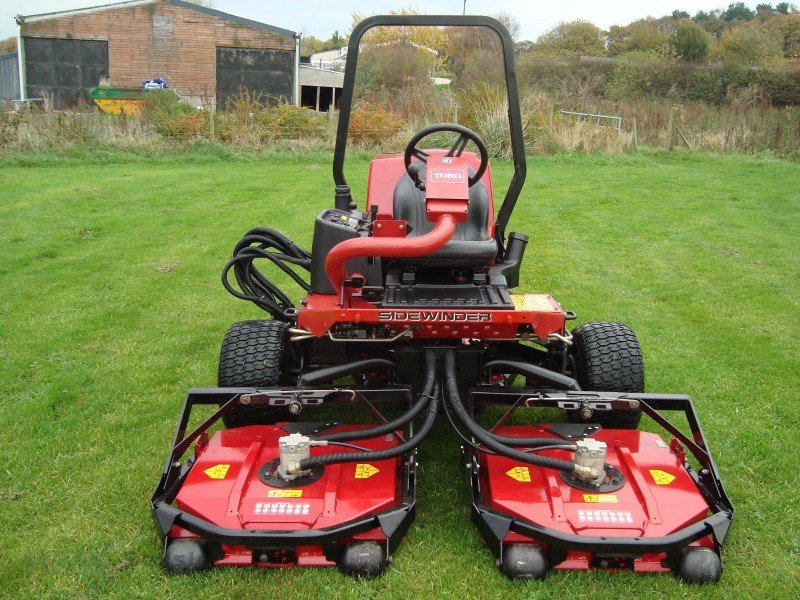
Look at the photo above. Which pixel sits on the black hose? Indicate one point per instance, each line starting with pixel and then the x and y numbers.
pixel 403 448
pixel 328 374
pixel 353 446
pixel 553 446
pixel 479 433
pixel 402 420
pixel 258 243
pixel 557 380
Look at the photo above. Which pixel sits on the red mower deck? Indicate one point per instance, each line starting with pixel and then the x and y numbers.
pixel 226 486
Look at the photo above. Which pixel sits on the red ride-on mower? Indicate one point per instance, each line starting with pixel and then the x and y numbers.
pixel 409 304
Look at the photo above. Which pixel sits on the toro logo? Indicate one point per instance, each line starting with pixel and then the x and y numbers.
pixel 448 175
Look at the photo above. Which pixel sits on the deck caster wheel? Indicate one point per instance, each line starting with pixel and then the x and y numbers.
pixel 699 565
pixel 363 559
pixel 186 556
pixel 524 561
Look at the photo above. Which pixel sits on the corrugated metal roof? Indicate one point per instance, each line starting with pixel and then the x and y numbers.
pixel 129 3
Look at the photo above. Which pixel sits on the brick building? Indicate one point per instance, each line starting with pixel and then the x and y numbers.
pixel 204 54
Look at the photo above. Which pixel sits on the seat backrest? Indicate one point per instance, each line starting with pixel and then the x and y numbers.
pixel 409 205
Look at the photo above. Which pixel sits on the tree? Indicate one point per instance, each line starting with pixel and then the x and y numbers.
pixel 701 16
pixel 738 11
pixel 8 45
pixel 431 38
pixel 644 34
pixel 680 14
pixel 690 42
pixel 786 27
pixel 748 44
pixel 572 39
pixel 782 8
pixel 511 23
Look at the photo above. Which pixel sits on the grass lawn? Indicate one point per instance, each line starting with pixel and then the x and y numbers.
pixel 111 306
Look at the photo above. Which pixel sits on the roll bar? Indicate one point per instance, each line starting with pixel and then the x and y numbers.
pixel 514 114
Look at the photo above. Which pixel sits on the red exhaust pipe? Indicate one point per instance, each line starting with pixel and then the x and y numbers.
pixel 387 247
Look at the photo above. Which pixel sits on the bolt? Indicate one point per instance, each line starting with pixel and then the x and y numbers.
pixel 245 399
pixel 603 564
pixel 633 404
pixel 295 407
pixel 586 412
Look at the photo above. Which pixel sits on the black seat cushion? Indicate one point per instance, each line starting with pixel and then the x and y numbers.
pixel 470 245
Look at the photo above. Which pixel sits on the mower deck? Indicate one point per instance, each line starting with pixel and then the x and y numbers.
pixel 656 510
pixel 227 497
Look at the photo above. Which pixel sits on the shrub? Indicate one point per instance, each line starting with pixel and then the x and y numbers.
pixel 373 124
pixel 641 73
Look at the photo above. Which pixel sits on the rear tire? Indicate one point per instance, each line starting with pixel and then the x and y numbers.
pixel 608 358
pixel 253 354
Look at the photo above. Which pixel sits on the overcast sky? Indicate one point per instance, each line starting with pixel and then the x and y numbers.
pixel 321 17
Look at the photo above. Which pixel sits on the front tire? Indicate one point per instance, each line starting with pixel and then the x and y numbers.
pixel 253 354
pixel 607 358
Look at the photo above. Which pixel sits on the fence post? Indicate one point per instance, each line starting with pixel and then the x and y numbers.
pixel 673 113
pixel 211 123
pixel 635 135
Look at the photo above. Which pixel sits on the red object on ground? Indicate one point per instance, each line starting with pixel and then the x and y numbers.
pixel 224 488
pixel 658 497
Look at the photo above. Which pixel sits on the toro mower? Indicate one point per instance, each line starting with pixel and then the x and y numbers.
pixel 409 305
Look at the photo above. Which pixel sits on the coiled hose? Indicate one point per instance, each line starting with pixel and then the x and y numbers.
pixel 485 437
pixel 262 242
pixel 403 448
pixel 402 420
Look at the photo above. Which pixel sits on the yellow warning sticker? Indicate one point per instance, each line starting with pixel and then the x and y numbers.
pixel 217 471
pixel 532 302
pixel 662 477
pixel 609 498
pixel 365 471
pixel 284 493
pixel 520 474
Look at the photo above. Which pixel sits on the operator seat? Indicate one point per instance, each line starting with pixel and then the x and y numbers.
pixel 471 244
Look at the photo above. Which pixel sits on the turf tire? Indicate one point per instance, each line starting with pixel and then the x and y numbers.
pixel 608 358
pixel 253 354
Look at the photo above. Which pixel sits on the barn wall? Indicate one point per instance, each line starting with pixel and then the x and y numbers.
pixel 148 40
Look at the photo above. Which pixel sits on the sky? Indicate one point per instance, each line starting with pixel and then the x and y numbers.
pixel 321 17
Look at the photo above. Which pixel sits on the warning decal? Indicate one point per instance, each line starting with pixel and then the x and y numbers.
pixel 281 509
pixel 662 477
pixel 520 474
pixel 532 302
pixel 600 498
pixel 365 471
pixel 217 471
pixel 284 493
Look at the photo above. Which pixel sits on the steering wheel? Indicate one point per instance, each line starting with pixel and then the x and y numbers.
pixel 465 136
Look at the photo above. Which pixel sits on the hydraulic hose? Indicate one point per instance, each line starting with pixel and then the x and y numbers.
pixel 328 374
pixel 265 243
pixel 487 439
pixel 557 380
pixel 399 422
pixel 403 448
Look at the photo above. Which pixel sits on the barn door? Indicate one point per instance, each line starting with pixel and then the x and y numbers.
pixel 265 72
pixel 64 69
